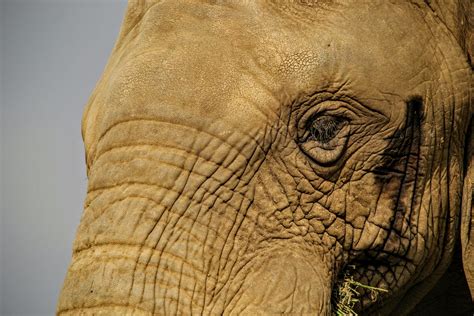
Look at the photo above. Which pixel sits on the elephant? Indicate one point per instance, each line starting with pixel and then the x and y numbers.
pixel 278 157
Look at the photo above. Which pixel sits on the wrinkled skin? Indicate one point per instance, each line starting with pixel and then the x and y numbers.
pixel 243 156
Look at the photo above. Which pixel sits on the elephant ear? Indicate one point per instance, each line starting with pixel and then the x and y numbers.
pixel 458 17
pixel 467 215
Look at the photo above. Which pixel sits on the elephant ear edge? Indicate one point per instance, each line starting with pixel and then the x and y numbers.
pixel 458 18
pixel 467 210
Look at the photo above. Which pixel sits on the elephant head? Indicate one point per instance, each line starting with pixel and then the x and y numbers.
pixel 249 157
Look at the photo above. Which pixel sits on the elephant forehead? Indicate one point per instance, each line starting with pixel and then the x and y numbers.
pixel 233 62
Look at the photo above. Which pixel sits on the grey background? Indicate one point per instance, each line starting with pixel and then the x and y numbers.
pixel 52 54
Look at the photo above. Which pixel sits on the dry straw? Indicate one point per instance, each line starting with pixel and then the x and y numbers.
pixel 347 295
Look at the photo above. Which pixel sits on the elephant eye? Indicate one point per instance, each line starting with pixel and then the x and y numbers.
pixel 324 138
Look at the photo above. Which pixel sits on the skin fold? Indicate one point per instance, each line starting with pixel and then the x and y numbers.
pixel 243 156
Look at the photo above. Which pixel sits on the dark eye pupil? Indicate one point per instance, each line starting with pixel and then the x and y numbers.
pixel 325 128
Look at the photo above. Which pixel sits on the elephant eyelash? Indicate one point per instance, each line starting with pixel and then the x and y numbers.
pixel 324 128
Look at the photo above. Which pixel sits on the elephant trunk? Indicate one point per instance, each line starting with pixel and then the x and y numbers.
pixel 169 226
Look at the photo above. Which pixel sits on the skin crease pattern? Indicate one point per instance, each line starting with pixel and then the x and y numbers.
pixel 244 157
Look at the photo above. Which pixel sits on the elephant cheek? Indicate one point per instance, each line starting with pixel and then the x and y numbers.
pixel 283 282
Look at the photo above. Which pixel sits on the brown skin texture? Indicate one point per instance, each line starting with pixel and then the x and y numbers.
pixel 242 155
